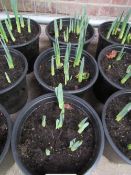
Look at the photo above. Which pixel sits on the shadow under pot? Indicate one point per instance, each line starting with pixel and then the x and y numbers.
pixel 42 71
pixel 13 88
pixel 5 133
pixel 73 37
pixel 117 126
pixel 112 71
pixel 103 41
pixel 42 149
pixel 26 42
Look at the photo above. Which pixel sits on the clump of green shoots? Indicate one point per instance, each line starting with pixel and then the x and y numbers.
pixel 16 14
pixel 66 35
pixel 82 75
pixel 74 145
pixel 56 61
pixel 8 24
pixel 127 76
pixel 7 13
pixel 123 112
pixel 83 125
pixel 60 98
pixel 120 28
pixel 77 25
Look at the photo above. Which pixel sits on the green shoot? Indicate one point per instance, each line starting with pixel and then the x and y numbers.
pixel 83 125
pixel 15 10
pixel 8 55
pixel 61 24
pixel 56 30
pixel 129 146
pixel 66 35
pixel 129 38
pixel 7 78
pixel 3 33
pixel 59 95
pixel 123 112
pixel 82 76
pixel 126 34
pixel 47 152
pixel 118 24
pixel 127 76
pixel 22 21
pixel 44 121
pixel 66 63
pixel 9 30
pixel 57 54
pixel 7 13
pixel 120 54
pixel 124 24
pixel 79 50
pixel 29 26
pixel 75 145
pixel 115 26
pixel 60 121
pixel 52 66
pixel 111 29
pixel 78 27
pixel 71 26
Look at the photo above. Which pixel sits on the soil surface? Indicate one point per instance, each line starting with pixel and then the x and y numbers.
pixel 22 37
pixel 59 77
pixel 120 131
pixel 3 132
pixel 73 37
pixel 114 38
pixel 14 74
pixel 35 139
pixel 116 70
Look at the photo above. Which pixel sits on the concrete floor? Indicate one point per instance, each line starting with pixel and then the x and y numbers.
pixel 109 164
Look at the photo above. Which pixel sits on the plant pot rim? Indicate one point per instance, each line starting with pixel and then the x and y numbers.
pixel 25 111
pixel 100 57
pixel 43 84
pixel 10 87
pixel 102 26
pixel 30 41
pixel 9 125
pixel 64 43
pixel 113 145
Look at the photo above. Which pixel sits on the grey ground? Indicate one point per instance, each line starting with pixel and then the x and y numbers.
pixel 108 165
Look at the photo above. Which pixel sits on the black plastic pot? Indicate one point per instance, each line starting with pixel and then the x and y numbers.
pixel 24 114
pixel 9 125
pixel 48 54
pixel 118 155
pixel 66 21
pixel 14 97
pixel 103 42
pixel 104 87
pixel 31 48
